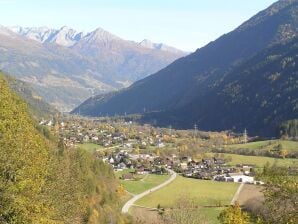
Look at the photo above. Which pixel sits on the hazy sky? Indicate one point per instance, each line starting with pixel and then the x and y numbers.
pixel 185 24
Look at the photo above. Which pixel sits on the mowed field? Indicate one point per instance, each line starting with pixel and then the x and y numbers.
pixel 139 186
pixel 259 161
pixel 143 182
pixel 267 145
pixel 204 193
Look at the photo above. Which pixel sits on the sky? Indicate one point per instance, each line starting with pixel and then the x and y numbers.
pixel 185 24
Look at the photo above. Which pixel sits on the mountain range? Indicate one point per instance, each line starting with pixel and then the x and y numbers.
pixel 68 37
pixel 241 80
pixel 65 66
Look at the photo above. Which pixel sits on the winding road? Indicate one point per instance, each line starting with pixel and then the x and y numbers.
pixel 129 203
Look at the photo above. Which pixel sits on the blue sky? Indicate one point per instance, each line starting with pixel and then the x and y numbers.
pixel 185 24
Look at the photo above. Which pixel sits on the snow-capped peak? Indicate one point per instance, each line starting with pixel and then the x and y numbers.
pixel 68 37
pixel 65 36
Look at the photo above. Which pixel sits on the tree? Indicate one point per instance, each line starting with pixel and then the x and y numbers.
pixel 281 195
pixel 39 184
pixel 24 163
pixel 284 153
pixel 233 215
pixel 157 152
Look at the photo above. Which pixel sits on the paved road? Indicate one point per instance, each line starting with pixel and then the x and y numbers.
pixel 235 198
pixel 128 204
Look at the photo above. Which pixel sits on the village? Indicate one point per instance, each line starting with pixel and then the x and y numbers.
pixel 141 149
pixel 207 169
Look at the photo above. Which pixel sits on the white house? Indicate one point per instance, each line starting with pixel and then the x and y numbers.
pixel 95 138
pixel 239 177
pixel 86 138
pixel 112 160
pixel 50 123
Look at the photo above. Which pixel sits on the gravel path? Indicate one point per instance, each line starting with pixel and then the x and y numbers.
pixel 235 198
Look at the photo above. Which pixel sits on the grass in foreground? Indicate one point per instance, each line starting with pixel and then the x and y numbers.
pixel 211 214
pixel 259 161
pixel 205 193
pixel 148 216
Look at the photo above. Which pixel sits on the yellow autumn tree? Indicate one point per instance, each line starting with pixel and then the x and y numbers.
pixel 42 185
pixel 233 215
pixel 23 163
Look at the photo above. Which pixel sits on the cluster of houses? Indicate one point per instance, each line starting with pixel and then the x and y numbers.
pixel 216 169
pixel 76 132
pixel 206 169
pixel 139 163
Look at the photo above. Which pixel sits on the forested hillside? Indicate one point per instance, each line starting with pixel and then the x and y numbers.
pixel 258 95
pixel 289 129
pixel 40 183
pixel 37 106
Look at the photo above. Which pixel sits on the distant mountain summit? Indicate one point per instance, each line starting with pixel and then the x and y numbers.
pixel 66 66
pixel 64 36
pixel 189 91
pixel 160 46
pixel 100 36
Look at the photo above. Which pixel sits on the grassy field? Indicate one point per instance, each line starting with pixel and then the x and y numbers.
pixel 143 183
pixel 259 161
pixel 90 147
pixel 267 145
pixel 205 193
pixel 149 216
pixel 210 214
pixel 118 174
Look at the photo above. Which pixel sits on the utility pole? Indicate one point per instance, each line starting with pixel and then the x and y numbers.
pixel 196 131
pixel 245 136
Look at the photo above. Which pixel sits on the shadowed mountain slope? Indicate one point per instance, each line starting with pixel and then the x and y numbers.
pixel 189 80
